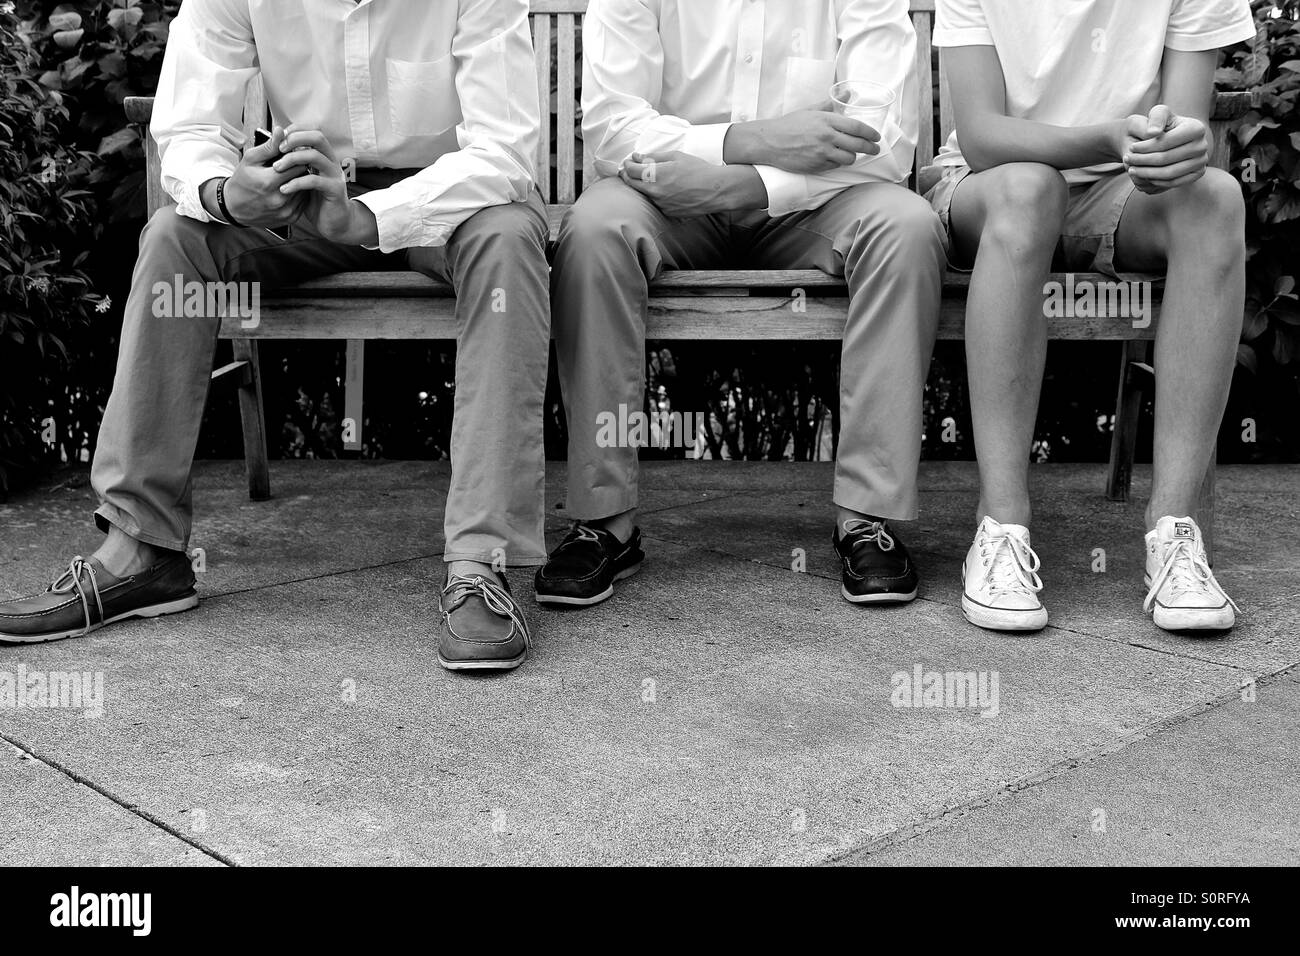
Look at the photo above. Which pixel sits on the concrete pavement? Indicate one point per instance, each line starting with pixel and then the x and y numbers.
pixel 721 708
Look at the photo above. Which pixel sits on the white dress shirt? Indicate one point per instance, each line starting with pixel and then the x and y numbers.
pixel 442 86
pixel 673 75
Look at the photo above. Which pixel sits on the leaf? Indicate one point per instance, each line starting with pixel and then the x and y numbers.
pixel 65 20
pixel 112 64
pixel 116 142
pixel 1280 205
pixel 125 20
pixel 68 38
pixel 1254 67
pixel 1251 124
pixel 1255 325
pixel 1247 359
pixel 1285 285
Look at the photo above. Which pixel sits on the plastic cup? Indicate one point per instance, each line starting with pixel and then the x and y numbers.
pixel 864 101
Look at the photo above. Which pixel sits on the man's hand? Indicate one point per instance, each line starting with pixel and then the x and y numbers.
pixel 685 186
pixel 253 193
pixel 318 178
pixel 806 141
pixel 1162 151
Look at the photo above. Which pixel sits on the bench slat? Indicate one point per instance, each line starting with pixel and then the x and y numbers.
pixel 542 52
pixel 566 187
pixel 671 317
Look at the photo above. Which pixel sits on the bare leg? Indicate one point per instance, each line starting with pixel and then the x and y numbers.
pixel 1197 231
pixel 1010 219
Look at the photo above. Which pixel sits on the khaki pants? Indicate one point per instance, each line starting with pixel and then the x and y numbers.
pixel 146 446
pixel 884 239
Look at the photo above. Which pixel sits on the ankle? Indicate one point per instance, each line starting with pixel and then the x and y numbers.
pixel 1005 512
pixel 121 555
pixel 473 569
pixel 620 526
pixel 843 516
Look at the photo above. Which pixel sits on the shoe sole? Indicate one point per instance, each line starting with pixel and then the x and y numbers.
pixel 154 610
pixel 995 619
pixel 604 595
pixel 1205 620
pixel 893 598
pixel 505 665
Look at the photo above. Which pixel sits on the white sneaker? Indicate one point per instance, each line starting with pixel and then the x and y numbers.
pixel 1000 580
pixel 1182 593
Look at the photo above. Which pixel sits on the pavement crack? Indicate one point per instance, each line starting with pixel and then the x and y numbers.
pixel 131 808
pixel 1052 771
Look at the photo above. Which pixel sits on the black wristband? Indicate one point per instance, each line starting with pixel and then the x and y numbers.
pixel 221 203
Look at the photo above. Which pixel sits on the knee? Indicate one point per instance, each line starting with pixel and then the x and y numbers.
pixel 1210 210
pixel 1026 205
pixel 515 230
pixel 608 216
pixel 903 226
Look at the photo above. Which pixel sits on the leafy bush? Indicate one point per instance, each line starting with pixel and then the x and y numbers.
pixel 1267 158
pixel 46 298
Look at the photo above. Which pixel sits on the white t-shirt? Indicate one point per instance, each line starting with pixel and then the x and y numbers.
pixel 1083 62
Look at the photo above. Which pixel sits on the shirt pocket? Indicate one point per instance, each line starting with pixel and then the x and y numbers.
pixel 808 82
pixel 422 96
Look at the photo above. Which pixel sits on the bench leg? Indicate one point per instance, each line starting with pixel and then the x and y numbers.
pixel 253 416
pixel 1128 413
pixel 1205 507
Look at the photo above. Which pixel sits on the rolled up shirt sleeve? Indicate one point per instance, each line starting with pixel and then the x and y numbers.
pixel 876 43
pixel 622 76
pixel 198 110
pixel 498 134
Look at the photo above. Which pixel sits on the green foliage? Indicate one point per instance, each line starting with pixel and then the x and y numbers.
pixel 94 54
pixel 1267 157
pixel 45 215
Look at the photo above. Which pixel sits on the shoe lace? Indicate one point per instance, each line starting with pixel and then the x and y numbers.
pixel 70 580
pixel 1186 571
pixel 1013 564
pixel 496 598
pixel 582 532
pixel 871 532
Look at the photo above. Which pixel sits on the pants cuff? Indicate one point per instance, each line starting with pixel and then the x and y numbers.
pixel 108 514
pixel 526 562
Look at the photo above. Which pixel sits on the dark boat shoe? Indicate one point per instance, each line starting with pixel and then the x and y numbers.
pixel 582 569
pixel 875 566
pixel 482 627
pixel 87 597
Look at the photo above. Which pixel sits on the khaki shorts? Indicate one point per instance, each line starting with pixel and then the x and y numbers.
pixel 1091 221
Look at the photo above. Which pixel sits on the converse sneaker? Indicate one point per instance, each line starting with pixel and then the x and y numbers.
pixel 1182 594
pixel 1000 582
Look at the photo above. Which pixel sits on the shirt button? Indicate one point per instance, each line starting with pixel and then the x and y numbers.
pixel 749 58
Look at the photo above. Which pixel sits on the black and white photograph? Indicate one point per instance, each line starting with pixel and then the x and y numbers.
pixel 650 433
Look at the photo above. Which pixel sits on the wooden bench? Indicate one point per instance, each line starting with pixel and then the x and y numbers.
pixel 731 305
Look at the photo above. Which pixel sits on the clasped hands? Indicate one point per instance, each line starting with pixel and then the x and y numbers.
pixel 293 175
pixel 806 142
pixel 1162 151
